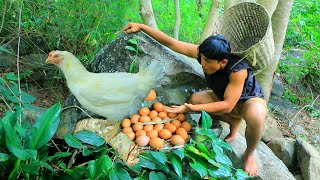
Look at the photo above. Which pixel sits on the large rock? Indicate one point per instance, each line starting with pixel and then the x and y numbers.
pixel 309 160
pixel 270 166
pixel 284 149
pixel 182 75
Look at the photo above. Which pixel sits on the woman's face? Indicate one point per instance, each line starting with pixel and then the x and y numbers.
pixel 211 66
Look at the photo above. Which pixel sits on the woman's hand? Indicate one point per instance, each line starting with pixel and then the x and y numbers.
pixel 181 109
pixel 131 27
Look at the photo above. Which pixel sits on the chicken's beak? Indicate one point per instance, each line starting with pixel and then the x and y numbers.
pixel 48 61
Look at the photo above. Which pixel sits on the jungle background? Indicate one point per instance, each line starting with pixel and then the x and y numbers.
pixel 84 27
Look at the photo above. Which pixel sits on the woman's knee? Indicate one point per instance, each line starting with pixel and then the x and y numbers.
pixel 255 115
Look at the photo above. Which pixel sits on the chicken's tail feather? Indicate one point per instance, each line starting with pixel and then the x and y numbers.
pixel 150 76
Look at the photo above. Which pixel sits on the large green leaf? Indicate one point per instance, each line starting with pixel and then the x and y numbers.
pixel 103 165
pixel 179 152
pixel 240 174
pixel 156 175
pixel 206 120
pixel 45 127
pixel 119 174
pixel 25 97
pixel 14 143
pixel 92 169
pixel 221 143
pixel 12 119
pixel 145 162
pixel 176 164
pixel 221 172
pixel 32 168
pixel 72 141
pixel 220 156
pixel 199 166
pixel 160 156
pixel 90 137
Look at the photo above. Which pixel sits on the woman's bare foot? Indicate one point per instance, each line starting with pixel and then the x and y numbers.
pixel 250 166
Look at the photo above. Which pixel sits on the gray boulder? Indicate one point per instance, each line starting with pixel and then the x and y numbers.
pixel 309 160
pixel 284 149
pixel 270 166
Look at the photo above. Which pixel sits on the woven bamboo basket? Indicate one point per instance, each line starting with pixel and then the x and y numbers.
pixel 247 26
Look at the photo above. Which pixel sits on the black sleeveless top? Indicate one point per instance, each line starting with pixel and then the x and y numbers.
pixel 219 80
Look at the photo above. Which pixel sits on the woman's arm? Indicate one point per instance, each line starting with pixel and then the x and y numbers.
pixel 187 49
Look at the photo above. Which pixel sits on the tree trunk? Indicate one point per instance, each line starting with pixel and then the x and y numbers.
pixel 269 5
pixel 280 19
pixel 146 13
pixel 178 19
pixel 212 17
pixel 229 3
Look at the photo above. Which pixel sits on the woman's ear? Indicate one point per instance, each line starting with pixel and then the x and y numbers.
pixel 224 62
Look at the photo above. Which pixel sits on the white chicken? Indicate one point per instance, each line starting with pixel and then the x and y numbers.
pixel 111 95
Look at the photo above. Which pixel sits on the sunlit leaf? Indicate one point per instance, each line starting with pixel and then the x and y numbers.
pixel 240 174
pixel 160 156
pixel 156 175
pixel 176 164
pixel 45 127
pixel 133 41
pixel 4 157
pixel 179 152
pixel 130 48
pixel 221 172
pixel 90 137
pixel 206 120
pixel 144 162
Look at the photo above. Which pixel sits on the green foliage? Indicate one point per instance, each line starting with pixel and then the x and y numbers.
pixel 25 150
pixel 303 33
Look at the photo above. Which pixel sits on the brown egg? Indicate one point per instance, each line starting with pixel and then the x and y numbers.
pixel 131 135
pixel 181 117
pixel 158 106
pixel 172 128
pixel 177 140
pixel 125 123
pixel 182 132
pixel 172 115
pixel 151 96
pixel 166 123
pixel 156 143
pixel 177 123
pixel 144 111
pixel 158 127
pixel 126 130
pixel 165 134
pixel 156 119
pixel 142 140
pixel 186 125
pixel 144 119
pixel 162 115
pixel 153 114
pixel 141 132
pixel 148 127
pixel 152 134
pixel 135 118
pixel 136 127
